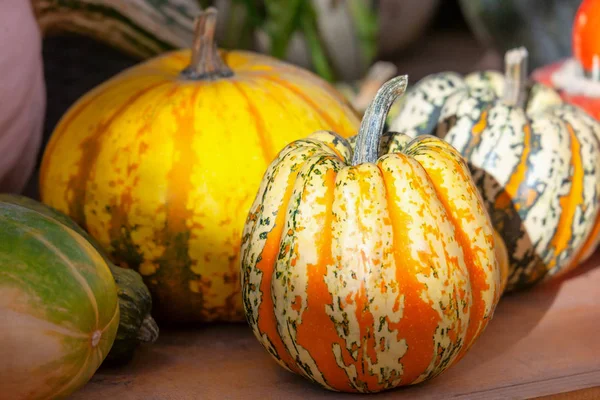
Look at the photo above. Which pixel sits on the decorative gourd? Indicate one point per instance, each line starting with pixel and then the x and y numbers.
pixel 136 324
pixel 160 164
pixel 535 160
pixel 59 309
pixel 21 118
pixel 363 272
pixel 577 78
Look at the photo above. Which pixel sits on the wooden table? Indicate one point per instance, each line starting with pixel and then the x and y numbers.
pixel 542 342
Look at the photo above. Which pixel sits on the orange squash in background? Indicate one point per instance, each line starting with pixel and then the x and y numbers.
pixel 160 164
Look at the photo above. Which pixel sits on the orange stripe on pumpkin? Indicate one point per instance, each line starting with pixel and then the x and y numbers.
pixel 265 143
pixel 90 149
pixel 521 194
pixel 477 274
pixel 476 133
pixel 419 319
pixel 266 321
pixel 568 203
pixel 315 320
pixel 331 125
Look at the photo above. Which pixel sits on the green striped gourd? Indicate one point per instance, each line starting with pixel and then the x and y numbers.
pixel 136 324
pixel 58 306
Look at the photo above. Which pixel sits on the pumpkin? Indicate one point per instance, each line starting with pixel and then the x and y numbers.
pixel 534 158
pixel 159 164
pixel 58 307
pixel 136 325
pixel 21 118
pixel 577 78
pixel 370 269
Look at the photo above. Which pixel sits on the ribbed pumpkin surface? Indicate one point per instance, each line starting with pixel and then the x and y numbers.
pixel 367 277
pixel 162 170
pixel 58 307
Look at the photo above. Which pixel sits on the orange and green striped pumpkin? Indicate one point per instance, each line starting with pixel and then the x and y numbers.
pixel 535 159
pixel 160 164
pixel 364 271
pixel 59 310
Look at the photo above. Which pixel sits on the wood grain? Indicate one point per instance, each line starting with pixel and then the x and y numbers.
pixel 541 342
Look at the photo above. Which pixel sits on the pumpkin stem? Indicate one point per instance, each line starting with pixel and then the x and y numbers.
pixel 148 332
pixel 206 63
pixel 373 122
pixel 515 74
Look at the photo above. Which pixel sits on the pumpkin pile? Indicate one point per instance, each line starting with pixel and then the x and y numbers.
pixel 207 185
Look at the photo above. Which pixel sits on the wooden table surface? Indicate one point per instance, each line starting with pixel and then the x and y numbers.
pixel 542 342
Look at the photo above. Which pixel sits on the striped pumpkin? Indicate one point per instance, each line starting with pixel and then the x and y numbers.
pixel 160 165
pixel 536 161
pixel 59 310
pixel 364 273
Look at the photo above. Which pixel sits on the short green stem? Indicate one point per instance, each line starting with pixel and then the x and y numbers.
pixel 148 332
pixel 373 122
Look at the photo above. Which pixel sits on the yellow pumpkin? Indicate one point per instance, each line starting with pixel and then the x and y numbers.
pixel 160 164
pixel 370 268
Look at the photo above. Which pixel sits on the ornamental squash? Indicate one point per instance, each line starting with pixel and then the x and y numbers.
pixel 136 325
pixel 367 270
pixel 160 163
pixel 58 307
pixel 535 160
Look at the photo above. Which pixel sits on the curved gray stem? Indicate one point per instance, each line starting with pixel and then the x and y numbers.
pixel 371 127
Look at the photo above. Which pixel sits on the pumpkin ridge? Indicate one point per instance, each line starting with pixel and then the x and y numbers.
pixel 116 314
pixel 119 227
pixel 417 360
pixel 563 234
pixel 47 325
pixel 306 99
pixel 90 149
pixel 265 145
pixel 67 385
pixel 175 235
pixel 518 175
pixel 309 307
pixel 76 274
pixel 267 322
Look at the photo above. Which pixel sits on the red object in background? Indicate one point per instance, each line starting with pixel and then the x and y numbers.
pixel 572 77
pixel 586 33
pixel 588 103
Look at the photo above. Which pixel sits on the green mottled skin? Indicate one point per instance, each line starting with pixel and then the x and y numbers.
pixel 57 292
pixel 135 303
